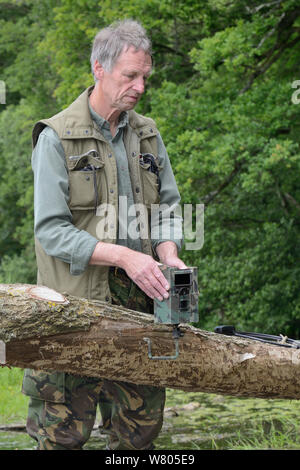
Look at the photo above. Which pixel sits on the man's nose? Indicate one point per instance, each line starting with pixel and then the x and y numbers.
pixel 139 85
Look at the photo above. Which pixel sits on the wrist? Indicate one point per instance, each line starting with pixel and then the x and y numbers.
pixel 109 254
pixel 123 257
pixel 166 249
pixel 168 255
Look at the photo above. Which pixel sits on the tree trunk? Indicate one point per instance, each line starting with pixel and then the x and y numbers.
pixel 42 329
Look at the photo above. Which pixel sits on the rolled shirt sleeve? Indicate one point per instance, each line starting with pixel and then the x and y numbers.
pixel 52 217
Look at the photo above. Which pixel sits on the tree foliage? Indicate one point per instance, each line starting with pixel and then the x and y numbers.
pixel 221 93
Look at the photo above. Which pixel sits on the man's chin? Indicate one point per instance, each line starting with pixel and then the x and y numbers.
pixel 127 105
pixel 130 102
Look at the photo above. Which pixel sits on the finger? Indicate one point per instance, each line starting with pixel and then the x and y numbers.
pixel 155 284
pixel 150 290
pixel 176 263
pixel 181 265
pixel 158 289
pixel 161 278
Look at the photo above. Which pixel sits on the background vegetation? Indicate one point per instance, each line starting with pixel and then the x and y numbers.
pixel 192 421
pixel 221 94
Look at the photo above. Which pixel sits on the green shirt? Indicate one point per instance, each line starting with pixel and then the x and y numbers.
pixel 53 218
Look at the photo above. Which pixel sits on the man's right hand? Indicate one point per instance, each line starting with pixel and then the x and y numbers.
pixel 144 271
pixel 141 268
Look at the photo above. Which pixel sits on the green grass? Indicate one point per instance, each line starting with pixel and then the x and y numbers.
pixel 223 422
pixel 13 404
pixel 192 420
pixel 274 435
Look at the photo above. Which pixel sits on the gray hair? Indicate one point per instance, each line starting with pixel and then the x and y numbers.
pixel 110 42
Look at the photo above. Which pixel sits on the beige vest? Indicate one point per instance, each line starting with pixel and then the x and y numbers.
pixel 94 194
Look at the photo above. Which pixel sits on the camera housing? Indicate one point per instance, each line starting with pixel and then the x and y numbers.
pixel 182 304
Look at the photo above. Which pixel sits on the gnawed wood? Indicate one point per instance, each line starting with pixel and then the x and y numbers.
pixel 93 338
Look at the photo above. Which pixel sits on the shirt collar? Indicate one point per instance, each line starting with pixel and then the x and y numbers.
pixel 102 123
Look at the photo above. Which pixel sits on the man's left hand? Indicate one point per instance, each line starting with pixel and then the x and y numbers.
pixel 167 253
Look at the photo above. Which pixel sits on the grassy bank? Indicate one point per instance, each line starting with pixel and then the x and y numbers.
pixel 208 421
pixel 13 404
pixel 192 420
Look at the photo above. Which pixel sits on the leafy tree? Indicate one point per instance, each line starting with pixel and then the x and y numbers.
pixel 236 149
pixel 221 94
pixel 29 89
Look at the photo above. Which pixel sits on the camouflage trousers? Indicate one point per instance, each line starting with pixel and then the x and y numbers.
pixel 62 407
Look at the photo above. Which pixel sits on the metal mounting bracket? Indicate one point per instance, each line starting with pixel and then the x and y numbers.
pixel 148 340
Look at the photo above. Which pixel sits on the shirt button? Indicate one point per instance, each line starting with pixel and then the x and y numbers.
pixel 110 155
pixel 111 190
pixel 137 190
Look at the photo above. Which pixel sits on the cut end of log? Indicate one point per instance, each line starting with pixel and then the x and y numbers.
pixel 44 293
pixel 34 291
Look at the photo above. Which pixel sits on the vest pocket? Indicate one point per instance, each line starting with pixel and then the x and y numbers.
pixel 87 183
pixel 150 186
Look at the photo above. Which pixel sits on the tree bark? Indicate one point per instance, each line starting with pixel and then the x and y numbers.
pixel 41 329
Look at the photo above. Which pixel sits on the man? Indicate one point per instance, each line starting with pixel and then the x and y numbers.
pixel 87 161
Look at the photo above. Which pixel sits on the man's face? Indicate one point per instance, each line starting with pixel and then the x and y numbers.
pixel 124 85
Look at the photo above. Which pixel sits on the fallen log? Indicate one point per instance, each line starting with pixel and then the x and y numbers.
pixel 42 329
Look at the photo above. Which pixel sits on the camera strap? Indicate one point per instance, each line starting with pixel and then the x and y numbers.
pixel 281 340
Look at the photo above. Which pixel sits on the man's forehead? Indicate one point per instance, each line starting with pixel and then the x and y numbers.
pixel 131 57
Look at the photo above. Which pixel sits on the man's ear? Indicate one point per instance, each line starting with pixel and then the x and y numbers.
pixel 98 70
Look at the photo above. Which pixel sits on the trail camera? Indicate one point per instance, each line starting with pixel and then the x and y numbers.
pixel 181 305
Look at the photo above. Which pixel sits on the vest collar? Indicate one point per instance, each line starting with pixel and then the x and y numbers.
pixel 80 125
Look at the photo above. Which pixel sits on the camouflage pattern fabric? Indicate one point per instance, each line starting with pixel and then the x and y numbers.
pixel 126 293
pixel 132 415
pixel 67 425
pixel 62 406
